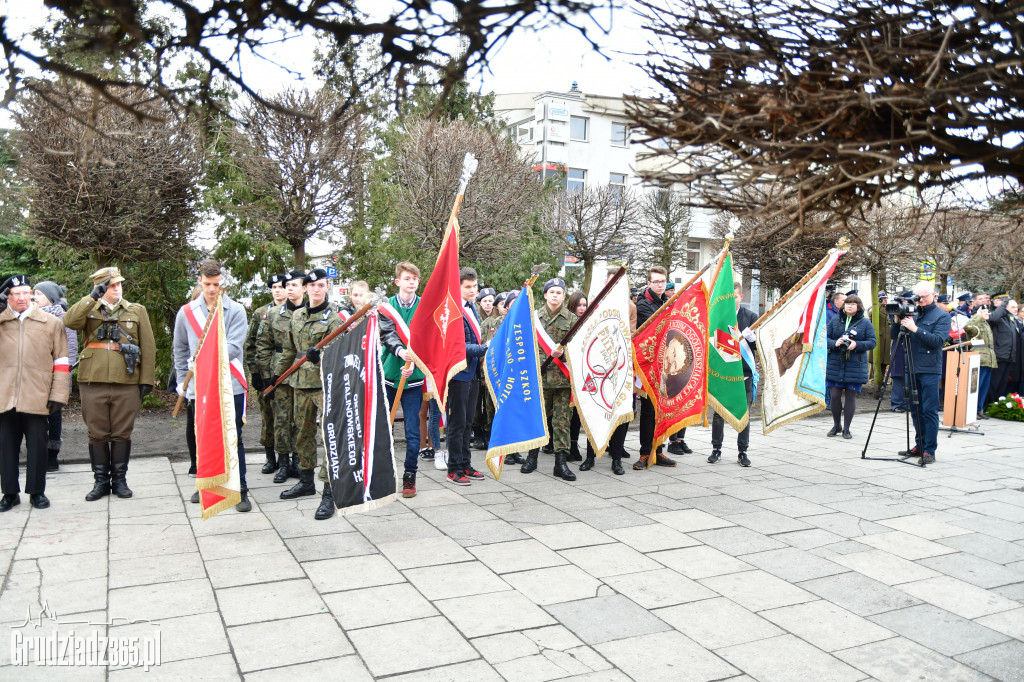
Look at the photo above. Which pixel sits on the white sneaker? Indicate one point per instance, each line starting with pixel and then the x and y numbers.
pixel 441 460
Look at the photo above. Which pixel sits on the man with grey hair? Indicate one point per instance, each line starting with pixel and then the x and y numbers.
pixel 927 331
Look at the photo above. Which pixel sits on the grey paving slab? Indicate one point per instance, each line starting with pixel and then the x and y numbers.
pixel 718 622
pixel 974 570
pixel 689 520
pixel 146 571
pixel 700 562
pixel 736 540
pixel 350 573
pixel 608 518
pixel 845 525
pixel 518 555
pixel 489 614
pixel 667 656
pixel 181 638
pixel 757 590
pixel 986 547
pixel 432 551
pixel 611 559
pixel 1007 622
pixel 827 626
pixel 768 522
pixel 208 669
pixel 272 644
pixel 900 660
pixel 655 589
pixel 256 569
pixel 468 578
pixel 348 668
pixel 939 629
pixel 329 546
pixel 1004 662
pixel 483 532
pixel 652 537
pixel 809 539
pixel 554 585
pixel 167 600
pixel 270 601
pixel 924 526
pixel 787 658
pixel 793 565
pixel 568 535
pixel 959 597
pixel 885 567
pixel 997 528
pixel 604 619
pixel 859 594
pixel 378 606
pixel 905 545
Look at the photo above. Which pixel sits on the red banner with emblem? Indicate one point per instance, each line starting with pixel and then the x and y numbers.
pixel 437 340
pixel 671 360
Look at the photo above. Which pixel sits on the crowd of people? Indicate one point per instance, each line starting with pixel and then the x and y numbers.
pixel 39 347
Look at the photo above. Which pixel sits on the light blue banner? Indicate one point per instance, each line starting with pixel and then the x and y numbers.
pixel 811 381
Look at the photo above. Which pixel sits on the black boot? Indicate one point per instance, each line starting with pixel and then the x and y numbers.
pixel 561 470
pixel 530 465
pixel 271 464
pixel 617 466
pixel 574 453
pixel 326 508
pixel 294 471
pixel 514 458
pixel 120 453
pixel 304 487
pixel 283 468
pixel 244 505
pixel 99 454
pixel 588 463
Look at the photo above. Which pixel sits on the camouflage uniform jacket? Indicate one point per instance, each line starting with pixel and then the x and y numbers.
pixel 258 324
pixel 103 363
pixel 490 326
pixel 557 324
pixel 309 325
pixel 270 344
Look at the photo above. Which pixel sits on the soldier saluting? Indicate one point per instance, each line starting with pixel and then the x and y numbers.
pixel 115 372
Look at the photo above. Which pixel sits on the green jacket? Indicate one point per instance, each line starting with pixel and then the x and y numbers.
pixel 101 363
pixel 257 324
pixel 557 324
pixel 980 328
pixel 272 345
pixel 490 326
pixel 392 344
pixel 308 327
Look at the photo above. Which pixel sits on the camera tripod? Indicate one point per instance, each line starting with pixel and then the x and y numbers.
pixel 970 430
pixel 913 402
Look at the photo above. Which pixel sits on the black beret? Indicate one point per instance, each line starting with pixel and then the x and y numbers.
pixel 965 297
pixel 295 274
pixel 485 292
pixel 280 278
pixel 851 293
pixel 16 281
pixel 500 297
pixel 315 275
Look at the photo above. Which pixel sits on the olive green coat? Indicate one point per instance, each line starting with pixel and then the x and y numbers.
pixel 557 324
pixel 108 366
pixel 258 324
pixel 980 328
pixel 306 331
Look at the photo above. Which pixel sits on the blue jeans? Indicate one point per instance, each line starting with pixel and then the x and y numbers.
pixel 434 425
pixel 926 428
pixel 984 377
pixel 412 398
pixel 897 397
pixel 239 418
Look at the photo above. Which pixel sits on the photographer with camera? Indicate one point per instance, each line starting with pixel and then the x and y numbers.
pixel 925 326
pixel 850 337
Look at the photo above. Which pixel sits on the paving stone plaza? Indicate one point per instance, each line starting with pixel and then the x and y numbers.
pixel 813 565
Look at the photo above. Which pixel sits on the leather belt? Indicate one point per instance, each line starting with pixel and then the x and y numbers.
pixel 104 346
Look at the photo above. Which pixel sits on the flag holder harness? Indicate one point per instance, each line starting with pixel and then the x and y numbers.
pixel 913 402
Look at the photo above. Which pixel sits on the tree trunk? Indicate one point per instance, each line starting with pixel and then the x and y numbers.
pixel 299 249
pixel 588 274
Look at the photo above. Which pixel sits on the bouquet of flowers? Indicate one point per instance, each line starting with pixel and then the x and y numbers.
pixel 1010 407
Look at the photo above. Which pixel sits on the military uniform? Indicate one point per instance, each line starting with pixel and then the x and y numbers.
pixel 259 374
pixel 308 327
pixel 269 349
pixel 557 392
pixel 487 332
pixel 116 368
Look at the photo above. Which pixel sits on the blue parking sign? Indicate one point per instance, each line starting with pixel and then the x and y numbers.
pixel 332 272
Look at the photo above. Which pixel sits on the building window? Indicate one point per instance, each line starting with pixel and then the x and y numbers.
pixel 693 256
pixel 618 179
pixel 579 128
pixel 619 134
pixel 524 132
pixel 575 179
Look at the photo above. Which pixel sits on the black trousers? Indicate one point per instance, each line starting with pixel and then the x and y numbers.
pixel 575 426
pixel 617 443
pixel 718 425
pixel 461 408
pixel 13 426
pixel 647 415
pixel 999 384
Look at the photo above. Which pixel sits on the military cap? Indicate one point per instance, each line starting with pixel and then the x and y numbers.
pixel 882 294
pixel 103 274
pixel 1001 294
pixel 942 298
pixel 315 275
pixel 670 285
pixel 511 297
pixel 500 297
pixel 555 282
pixel 15 281
pixel 294 274
pixel 276 279
pixel 485 292
pixel 852 292
pixel 964 298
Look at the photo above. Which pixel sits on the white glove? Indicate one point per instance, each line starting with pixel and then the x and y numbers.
pixel 181 390
pixel 192 365
pixel 749 335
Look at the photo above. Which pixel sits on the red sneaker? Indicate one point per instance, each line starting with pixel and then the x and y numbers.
pixel 472 474
pixel 458 478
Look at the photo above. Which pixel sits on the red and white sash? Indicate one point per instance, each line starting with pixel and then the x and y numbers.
pixel 196 317
pixel 401 328
pixel 474 324
pixel 547 344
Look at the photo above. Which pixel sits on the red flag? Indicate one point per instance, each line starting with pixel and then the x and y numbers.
pixel 437 342
pixel 217 478
pixel 671 356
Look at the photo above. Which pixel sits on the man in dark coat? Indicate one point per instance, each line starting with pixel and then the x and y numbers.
pixel 647 303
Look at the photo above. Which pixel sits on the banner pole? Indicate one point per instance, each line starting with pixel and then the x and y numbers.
pixel 583 318
pixel 345 326
pixel 679 291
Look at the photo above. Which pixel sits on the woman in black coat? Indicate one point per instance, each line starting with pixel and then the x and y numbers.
pixel 850 338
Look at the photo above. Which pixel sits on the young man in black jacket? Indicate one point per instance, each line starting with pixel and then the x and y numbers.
pixel 744 318
pixel 928 332
pixel 647 303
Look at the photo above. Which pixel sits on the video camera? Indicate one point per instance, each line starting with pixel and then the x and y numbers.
pixel 903 307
